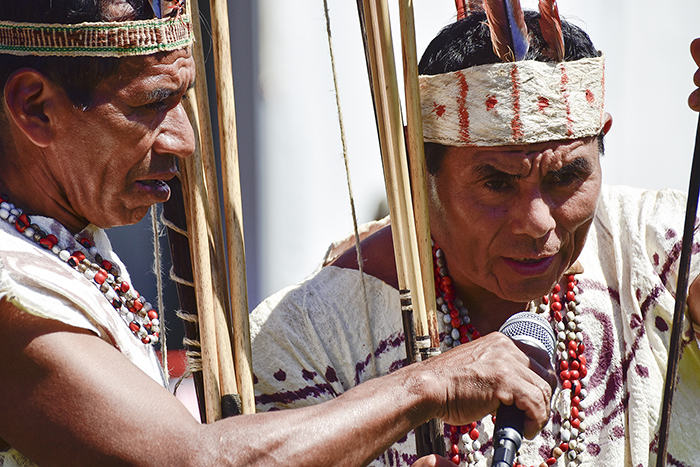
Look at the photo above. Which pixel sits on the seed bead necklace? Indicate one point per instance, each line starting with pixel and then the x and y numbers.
pixel 137 313
pixel 468 443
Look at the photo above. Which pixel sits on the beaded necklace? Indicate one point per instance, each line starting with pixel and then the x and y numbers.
pixel 136 312
pixel 468 443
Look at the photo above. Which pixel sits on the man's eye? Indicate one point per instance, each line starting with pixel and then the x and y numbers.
pixel 157 106
pixel 497 185
pixel 567 178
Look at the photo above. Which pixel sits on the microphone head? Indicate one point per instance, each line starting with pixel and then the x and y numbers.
pixel 531 329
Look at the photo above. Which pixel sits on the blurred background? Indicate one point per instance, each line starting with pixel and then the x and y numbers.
pixel 295 197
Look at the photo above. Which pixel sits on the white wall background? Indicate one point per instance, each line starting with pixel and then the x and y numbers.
pixel 303 202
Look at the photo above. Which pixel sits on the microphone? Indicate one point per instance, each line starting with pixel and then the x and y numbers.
pixel 534 330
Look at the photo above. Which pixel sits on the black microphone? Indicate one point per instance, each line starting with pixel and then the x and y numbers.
pixel 534 330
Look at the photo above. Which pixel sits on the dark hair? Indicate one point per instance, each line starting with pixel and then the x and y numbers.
pixel 467 43
pixel 78 76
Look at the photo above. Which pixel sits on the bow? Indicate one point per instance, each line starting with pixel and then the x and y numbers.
pixel 227 381
pixel 406 196
pixel 681 295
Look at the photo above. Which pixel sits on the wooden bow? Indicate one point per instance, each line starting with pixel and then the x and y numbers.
pixel 674 348
pixel 227 377
pixel 406 194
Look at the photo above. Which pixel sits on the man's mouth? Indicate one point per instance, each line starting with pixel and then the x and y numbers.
pixel 156 187
pixel 530 266
pixel 154 183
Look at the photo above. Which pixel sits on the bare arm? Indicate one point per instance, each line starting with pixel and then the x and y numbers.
pixel 69 398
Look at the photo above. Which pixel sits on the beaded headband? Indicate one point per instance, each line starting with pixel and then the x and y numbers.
pixel 514 103
pixel 98 39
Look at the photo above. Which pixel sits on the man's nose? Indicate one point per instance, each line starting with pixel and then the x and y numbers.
pixel 532 215
pixel 177 135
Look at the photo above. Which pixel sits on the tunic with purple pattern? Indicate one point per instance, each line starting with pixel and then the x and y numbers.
pixel 317 339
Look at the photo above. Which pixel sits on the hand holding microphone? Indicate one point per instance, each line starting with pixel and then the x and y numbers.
pixel 533 330
pixel 488 373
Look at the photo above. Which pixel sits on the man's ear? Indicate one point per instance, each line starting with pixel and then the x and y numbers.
pixel 607 122
pixel 31 100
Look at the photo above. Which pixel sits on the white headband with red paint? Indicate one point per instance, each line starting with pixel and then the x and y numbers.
pixel 514 103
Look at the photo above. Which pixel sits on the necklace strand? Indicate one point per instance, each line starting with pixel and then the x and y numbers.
pixel 468 442
pixel 137 313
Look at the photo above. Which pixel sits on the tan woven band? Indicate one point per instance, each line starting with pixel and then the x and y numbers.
pixel 108 39
pixel 514 103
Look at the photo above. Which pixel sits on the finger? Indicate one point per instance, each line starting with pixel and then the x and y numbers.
pixel 533 394
pixel 534 401
pixel 532 428
pixel 536 405
pixel 694 99
pixel 540 362
pixel 432 461
pixel 695 51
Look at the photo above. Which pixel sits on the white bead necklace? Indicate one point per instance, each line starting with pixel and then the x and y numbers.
pixel 137 313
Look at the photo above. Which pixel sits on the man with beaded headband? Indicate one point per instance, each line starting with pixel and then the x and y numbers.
pixel 92 126
pixel 520 220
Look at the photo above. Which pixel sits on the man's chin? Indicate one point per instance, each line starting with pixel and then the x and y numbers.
pixel 529 290
pixel 126 217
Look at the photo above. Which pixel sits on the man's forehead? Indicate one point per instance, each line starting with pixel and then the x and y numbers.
pixel 517 158
pixel 172 70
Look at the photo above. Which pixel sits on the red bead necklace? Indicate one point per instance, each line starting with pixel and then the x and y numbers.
pixel 137 313
pixel 467 443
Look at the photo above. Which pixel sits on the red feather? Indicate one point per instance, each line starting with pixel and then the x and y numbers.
pixel 462 10
pixel 550 24
pixel 508 29
pixel 466 9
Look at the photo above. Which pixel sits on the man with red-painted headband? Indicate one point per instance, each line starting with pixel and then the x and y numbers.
pixel 92 126
pixel 520 221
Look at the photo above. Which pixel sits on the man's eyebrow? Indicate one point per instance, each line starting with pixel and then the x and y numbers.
pixel 161 94
pixel 577 165
pixel 488 171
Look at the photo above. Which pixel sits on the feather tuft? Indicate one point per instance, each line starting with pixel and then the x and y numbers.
pixel 467 7
pixel 550 24
pixel 462 9
pixel 155 5
pixel 508 30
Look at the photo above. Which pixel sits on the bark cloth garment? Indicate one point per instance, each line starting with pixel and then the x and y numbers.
pixel 38 282
pixel 312 341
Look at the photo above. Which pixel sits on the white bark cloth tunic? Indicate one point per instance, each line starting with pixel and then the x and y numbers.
pixel 314 341
pixel 38 282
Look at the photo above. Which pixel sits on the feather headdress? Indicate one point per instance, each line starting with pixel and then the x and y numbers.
pixel 519 101
pixel 508 29
pixel 509 33
pixel 550 24
pixel 167 8
pixel 467 7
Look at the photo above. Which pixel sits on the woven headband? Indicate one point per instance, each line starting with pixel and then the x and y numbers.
pixel 103 39
pixel 514 103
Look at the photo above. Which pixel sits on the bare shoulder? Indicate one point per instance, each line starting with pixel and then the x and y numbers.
pixel 377 257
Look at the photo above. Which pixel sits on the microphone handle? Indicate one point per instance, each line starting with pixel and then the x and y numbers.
pixel 507 436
